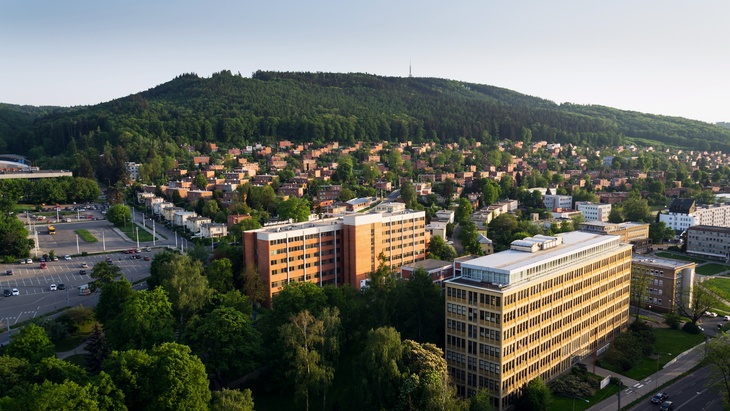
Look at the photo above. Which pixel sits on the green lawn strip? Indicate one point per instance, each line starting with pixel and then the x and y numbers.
pixel 682 257
pixel 719 286
pixel 667 341
pixel 86 235
pixel 77 359
pixel 711 269
pixel 130 231
pixel 75 339
pixel 564 403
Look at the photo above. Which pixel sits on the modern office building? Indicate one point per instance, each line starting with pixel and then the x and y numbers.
pixel 534 311
pixel 337 250
pixel 628 231
pixel 683 213
pixel 554 202
pixel 593 211
pixel 668 282
pixel 709 241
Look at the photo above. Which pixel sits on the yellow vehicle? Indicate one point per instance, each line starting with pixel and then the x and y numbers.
pixel 51 230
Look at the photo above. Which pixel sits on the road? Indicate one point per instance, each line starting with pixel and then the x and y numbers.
pixel 36 298
pixel 693 392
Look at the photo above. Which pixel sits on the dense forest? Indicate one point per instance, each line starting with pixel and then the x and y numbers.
pixel 233 111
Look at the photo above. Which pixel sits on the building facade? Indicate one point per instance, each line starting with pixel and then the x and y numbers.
pixel 668 282
pixel 683 214
pixel 554 202
pixel 709 241
pixel 628 232
pixel 593 211
pixel 534 311
pixel 336 251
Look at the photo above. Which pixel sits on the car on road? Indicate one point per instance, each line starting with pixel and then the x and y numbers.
pixel 148 249
pixel 7 293
pixel 146 258
pixel 84 265
pixel 29 261
pixel 667 406
pixel 9 272
pixel 67 257
pixel 53 287
pixel 82 272
pixel 15 291
pixel 61 286
pixel 726 318
pixel 659 398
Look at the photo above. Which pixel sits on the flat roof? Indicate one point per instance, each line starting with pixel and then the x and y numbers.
pixel 660 262
pixel 512 260
pixel 429 264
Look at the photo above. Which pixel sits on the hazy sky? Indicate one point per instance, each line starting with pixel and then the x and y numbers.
pixel 656 56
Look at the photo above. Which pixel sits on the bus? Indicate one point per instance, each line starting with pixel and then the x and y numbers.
pixel 84 289
pixel 51 230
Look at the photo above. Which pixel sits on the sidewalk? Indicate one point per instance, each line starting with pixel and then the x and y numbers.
pixel 637 389
pixel 81 349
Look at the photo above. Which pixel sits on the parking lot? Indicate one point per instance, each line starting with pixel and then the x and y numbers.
pixel 33 284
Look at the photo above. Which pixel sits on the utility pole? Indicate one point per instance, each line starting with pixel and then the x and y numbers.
pixel 78 251
pixel 154 233
pixel 137 229
pixel 103 240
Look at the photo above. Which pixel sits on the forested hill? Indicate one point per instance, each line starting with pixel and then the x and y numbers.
pixel 232 110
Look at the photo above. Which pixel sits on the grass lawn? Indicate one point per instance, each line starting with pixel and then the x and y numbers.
pixel 562 403
pixel 75 339
pixel 719 286
pixel 677 256
pixel 711 269
pixel 667 341
pixel 78 359
pixel 86 236
pixel 130 231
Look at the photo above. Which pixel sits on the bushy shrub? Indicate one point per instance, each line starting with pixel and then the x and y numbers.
pixel 673 320
pixel 691 328
pixel 574 384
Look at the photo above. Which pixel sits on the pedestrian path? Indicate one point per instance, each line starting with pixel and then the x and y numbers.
pixel 637 389
pixel 81 349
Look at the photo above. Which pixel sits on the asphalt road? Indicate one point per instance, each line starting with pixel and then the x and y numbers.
pixel 36 298
pixel 694 392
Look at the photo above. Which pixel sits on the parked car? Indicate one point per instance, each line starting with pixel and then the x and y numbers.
pixel 9 272
pixel 54 258
pixel 15 291
pixel 82 272
pixel 726 318
pixel 146 258
pixel 29 261
pixel 67 257
pixel 53 287
pixel 84 265
pixel 7 293
pixel 659 398
pixel 710 314
pixel 61 286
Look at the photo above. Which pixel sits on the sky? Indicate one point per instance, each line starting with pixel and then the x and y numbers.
pixel 664 57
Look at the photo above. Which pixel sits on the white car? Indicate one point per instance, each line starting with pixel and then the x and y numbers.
pixel 67 257
pixel 29 261
pixel 84 265
pixel 15 291
pixel 53 287
pixel 726 318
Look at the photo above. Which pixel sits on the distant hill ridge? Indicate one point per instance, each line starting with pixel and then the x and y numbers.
pixel 233 110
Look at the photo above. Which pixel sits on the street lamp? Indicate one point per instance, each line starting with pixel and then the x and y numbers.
pixel 656 379
pixel 137 229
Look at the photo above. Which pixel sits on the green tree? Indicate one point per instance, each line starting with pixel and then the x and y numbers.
pixel 187 288
pixel 636 209
pixel 253 287
pixel 295 208
pixel 425 378
pixel 468 236
pixel 167 377
pixel 438 249
pixel 200 182
pixel 66 396
pixel 98 350
pixel 232 400
pixel 31 343
pixel 421 298
pixel 145 320
pixel 113 295
pixel 615 216
pixel 535 396
pixel 119 214
pixel 226 342
pixel 694 304
pixel 481 401
pixel 304 337
pixel 103 274
pixel 220 275
pixel 463 211
pixel 717 355
pixel 13 236
pixel 210 208
pixel 344 169
pixel 379 377
pixel 408 194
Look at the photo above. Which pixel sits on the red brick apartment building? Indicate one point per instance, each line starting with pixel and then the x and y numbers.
pixel 342 250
